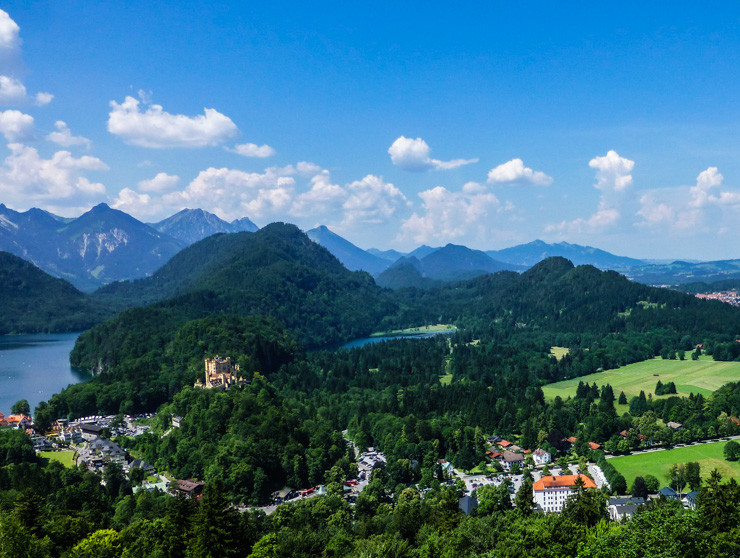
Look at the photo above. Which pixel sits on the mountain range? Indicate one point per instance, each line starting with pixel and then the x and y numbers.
pixel 191 225
pixel 99 246
pixel 105 245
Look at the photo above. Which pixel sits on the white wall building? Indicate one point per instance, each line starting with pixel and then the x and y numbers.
pixel 550 493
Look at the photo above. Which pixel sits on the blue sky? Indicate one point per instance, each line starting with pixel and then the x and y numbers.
pixel 395 125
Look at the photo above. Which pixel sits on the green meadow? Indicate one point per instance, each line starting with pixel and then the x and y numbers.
pixel 709 456
pixel 66 458
pixel 698 376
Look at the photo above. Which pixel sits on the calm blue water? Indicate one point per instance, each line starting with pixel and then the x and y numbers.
pixel 35 367
pixel 370 340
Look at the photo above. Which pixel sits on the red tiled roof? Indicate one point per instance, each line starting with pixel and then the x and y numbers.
pixel 563 481
pixel 593 445
pixel 572 439
pixel 504 444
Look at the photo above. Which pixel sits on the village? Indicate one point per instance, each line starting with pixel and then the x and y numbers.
pixel 91 443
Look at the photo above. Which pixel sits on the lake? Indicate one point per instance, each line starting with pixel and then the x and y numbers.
pixel 35 367
pixel 369 340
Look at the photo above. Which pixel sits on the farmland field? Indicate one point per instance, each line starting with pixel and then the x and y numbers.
pixel 709 456
pixel 698 376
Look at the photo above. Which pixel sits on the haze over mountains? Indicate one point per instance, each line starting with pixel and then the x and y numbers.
pixel 105 245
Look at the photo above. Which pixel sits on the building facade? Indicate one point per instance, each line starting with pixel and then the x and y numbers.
pixel 551 493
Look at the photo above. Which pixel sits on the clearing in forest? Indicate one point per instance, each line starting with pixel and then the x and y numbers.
pixel 66 458
pixel 657 463
pixel 698 376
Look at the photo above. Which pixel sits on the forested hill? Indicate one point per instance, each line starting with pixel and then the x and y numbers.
pixel 33 301
pixel 556 296
pixel 277 271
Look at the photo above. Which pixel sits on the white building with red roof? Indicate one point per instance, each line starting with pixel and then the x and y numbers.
pixel 551 493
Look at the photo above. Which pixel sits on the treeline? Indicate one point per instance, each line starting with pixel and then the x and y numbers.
pixel 48 511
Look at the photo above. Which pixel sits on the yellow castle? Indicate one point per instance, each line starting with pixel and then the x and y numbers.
pixel 220 374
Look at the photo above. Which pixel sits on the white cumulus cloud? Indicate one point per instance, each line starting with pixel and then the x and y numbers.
pixel 612 172
pixel 604 218
pixel 156 128
pixel 162 182
pixel 415 155
pixel 253 150
pixel 134 203
pixel 613 177
pixel 654 212
pixel 26 176
pixel 13 92
pixel 16 126
pixel 706 180
pixel 371 200
pixel 451 215
pixel 514 172
pixel 9 32
pixel 63 136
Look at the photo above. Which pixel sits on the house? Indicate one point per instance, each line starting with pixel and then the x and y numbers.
pixel 280 496
pixel 22 422
pixel 59 424
pixel 447 467
pixel 493 439
pixel 150 487
pixel 504 443
pixel 190 487
pixel 492 454
pixel 71 434
pixel 541 457
pixel 176 420
pixel 620 508
pixel 674 425
pixel 551 493
pixel 139 464
pixel 221 373
pixel 468 504
pixel 510 458
pixel 108 451
pixel 668 492
pixel 40 442
pixel 594 446
pixel 515 448
pixel 370 460
pixel 90 431
pixel 691 499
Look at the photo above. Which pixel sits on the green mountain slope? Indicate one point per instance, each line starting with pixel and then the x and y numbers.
pixel 277 271
pixel 33 301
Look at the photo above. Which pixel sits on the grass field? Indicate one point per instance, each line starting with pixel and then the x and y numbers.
pixel 698 376
pixel 709 456
pixel 66 458
pixel 559 352
pixel 416 330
